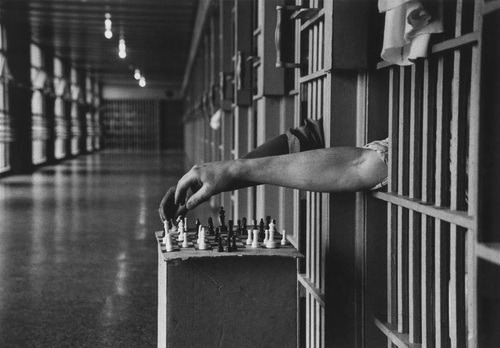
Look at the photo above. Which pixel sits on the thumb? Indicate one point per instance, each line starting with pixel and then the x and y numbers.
pixel 202 195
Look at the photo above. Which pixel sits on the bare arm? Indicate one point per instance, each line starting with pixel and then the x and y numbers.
pixel 323 170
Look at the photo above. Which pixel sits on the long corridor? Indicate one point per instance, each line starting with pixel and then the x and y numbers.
pixel 78 253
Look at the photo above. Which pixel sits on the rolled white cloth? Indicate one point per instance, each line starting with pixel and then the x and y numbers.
pixel 407 30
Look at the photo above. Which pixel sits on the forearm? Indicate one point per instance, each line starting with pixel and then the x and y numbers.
pixel 322 170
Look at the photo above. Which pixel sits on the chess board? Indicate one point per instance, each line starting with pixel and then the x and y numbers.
pixel 212 245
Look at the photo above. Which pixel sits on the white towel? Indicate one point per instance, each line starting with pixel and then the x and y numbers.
pixel 407 30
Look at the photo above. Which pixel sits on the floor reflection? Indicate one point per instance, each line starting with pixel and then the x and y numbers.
pixel 77 253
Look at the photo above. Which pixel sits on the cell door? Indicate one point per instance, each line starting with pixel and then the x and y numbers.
pixel 312 98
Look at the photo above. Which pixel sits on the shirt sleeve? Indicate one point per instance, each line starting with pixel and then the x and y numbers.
pixel 307 137
pixel 382 148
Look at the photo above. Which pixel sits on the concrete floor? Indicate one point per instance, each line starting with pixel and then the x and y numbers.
pixel 78 254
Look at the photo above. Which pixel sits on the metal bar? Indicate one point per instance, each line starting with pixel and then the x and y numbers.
pixel 427 255
pixel 395 337
pixel 414 228
pixel 442 199
pixel 402 217
pixel 456 217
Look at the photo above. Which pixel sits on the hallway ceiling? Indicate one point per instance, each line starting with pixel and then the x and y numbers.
pixel 157 34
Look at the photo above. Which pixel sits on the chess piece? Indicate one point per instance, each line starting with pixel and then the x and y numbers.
pixel 217 233
pixel 202 244
pixel 185 224
pixel 261 230
pixel 199 234
pixel 249 237
pixel 230 228
pixel 222 217
pixel 243 224
pixel 185 243
pixel 283 238
pixel 268 221
pixel 234 246
pixel 211 231
pixel 266 237
pixel 270 243
pixel 238 227
pixel 220 247
pixel 165 228
pixel 197 227
pixel 168 242
pixel 255 242
pixel 180 229
pixel 229 247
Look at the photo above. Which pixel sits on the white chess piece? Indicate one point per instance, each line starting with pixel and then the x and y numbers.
pixel 185 243
pixel 168 242
pixel 199 234
pixel 202 245
pixel 185 224
pixel 180 228
pixel 266 237
pixel 283 238
pixel 249 238
pixel 165 228
pixel 270 243
pixel 255 242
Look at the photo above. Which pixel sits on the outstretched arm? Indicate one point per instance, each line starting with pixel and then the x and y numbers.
pixel 323 170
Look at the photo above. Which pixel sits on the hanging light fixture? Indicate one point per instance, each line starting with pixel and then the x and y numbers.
pixel 142 81
pixel 122 48
pixel 107 26
pixel 137 74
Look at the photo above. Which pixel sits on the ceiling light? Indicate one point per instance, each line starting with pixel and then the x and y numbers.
pixel 142 81
pixel 107 26
pixel 122 49
pixel 137 74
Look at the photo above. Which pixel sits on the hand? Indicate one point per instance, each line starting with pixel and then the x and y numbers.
pixel 168 210
pixel 204 181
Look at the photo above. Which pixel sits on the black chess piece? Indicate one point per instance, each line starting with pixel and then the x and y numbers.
pixel 229 246
pixel 234 246
pixel 262 233
pixel 211 230
pixel 220 248
pixel 230 228
pixel 222 218
pixel 217 233
pixel 238 227
pixel 268 221
pixel 244 225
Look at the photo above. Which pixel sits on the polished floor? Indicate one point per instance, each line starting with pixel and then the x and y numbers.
pixel 78 254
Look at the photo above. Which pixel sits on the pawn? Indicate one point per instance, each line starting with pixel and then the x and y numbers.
pixel 168 242
pixel 233 240
pixel 202 244
pixel 229 247
pixel 220 248
pixel 283 238
pixel 180 228
pixel 199 234
pixel 244 224
pixel 185 243
pixel 238 227
pixel 165 228
pixel 211 230
pixel 230 228
pixel 255 242
pixel 198 223
pixel 185 224
pixel 249 237
pixel 262 227
pixel 266 236
pixel 271 244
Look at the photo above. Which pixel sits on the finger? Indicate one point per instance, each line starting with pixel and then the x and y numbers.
pixel 202 195
pixel 184 183
pixel 167 206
